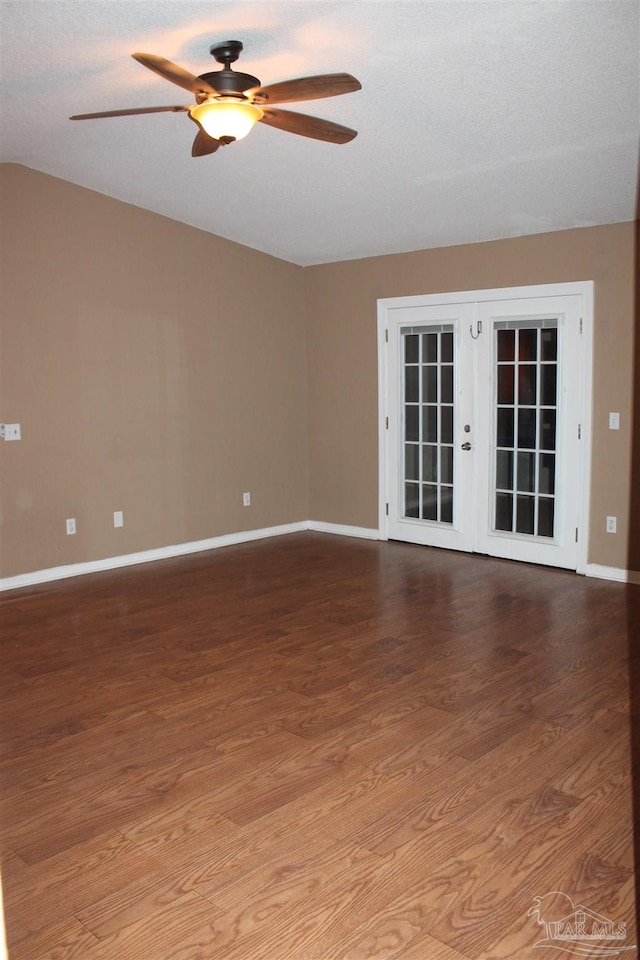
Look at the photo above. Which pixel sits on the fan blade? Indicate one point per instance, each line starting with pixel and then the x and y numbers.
pixel 306 88
pixel 307 126
pixel 129 113
pixel 204 144
pixel 174 73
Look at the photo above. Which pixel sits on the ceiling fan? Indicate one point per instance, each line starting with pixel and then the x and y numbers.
pixel 229 103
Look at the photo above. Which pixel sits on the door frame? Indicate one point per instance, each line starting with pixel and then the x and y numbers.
pixel 583 289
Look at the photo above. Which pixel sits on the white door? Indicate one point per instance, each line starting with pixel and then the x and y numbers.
pixel 482 439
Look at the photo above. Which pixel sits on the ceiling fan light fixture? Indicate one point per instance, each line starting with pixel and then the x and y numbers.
pixel 226 119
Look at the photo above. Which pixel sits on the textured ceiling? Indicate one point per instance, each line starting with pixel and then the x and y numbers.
pixel 477 119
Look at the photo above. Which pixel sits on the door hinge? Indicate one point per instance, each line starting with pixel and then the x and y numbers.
pixel 580 324
pixel 576 534
pixel 579 431
pixel 386 423
pixel 387 508
pixel 386 336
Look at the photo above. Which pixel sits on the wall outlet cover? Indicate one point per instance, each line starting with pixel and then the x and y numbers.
pixel 10 431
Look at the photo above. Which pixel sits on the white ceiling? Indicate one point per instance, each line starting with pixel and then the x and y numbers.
pixel 477 119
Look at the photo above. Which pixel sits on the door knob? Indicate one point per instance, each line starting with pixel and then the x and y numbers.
pixel 466 446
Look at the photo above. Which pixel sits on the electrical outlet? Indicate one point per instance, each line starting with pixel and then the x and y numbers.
pixel 118 518
pixel 71 526
pixel 10 431
pixel 612 523
pixel 246 499
pixel 614 421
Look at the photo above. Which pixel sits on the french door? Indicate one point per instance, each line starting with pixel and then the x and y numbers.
pixel 482 421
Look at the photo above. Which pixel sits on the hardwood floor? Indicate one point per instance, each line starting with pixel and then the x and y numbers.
pixel 315 748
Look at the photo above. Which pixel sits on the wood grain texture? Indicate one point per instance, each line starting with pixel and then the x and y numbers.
pixel 314 748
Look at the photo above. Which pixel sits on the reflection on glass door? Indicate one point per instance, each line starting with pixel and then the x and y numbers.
pixel 526 378
pixel 428 417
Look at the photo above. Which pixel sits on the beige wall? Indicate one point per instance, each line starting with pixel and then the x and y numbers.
pixel 155 369
pixel 162 371
pixel 342 365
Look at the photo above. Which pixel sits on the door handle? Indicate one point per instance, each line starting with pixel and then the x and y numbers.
pixel 466 446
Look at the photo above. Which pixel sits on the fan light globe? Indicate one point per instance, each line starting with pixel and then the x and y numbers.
pixel 232 119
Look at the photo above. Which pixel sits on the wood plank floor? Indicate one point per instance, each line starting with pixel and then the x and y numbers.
pixel 315 748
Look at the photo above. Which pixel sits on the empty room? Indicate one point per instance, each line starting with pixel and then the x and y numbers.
pixel 320 479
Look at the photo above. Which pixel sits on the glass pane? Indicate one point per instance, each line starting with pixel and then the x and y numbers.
pixel 446 384
pixel 429 501
pixel 446 504
pixel 446 421
pixel 411 384
pixel 547 480
pixel 504 511
pixel 527 344
pixel 526 472
pixel 525 476
pixel 430 384
pixel 411 348
pixel 524 514
pixel 549 344
pixel 411 421
pixel 526 428
pixel 430 424
pixel 545 517
pixel 506 345
pixel 527 384
pixel 548 429
pixel 505 427
pixel 412 500
pixel 430 464
pixel 548 374
pixel 505 384
pixel 429 347
pixel 446 464
pixel 428 410
pixel 411 461
pixel 504 469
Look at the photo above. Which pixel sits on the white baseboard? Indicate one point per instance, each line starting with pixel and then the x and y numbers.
pixel 177 550
pixel 147 556
pixel 612 573
pixel 182 549
pixel 365 533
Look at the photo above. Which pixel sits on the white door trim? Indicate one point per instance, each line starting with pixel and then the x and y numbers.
pixel 584 289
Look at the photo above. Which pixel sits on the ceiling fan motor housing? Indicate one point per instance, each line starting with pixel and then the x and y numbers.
pixel 229 83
